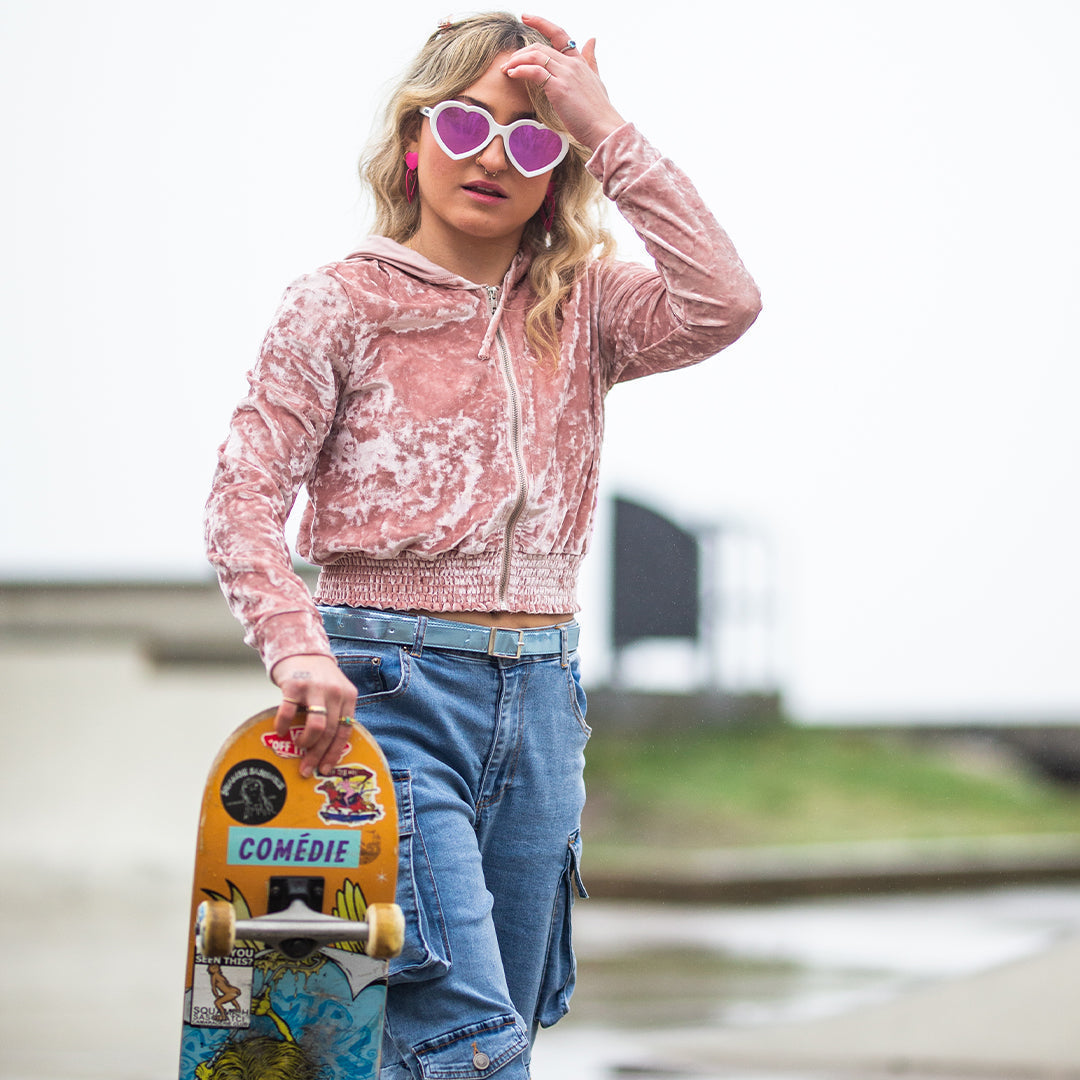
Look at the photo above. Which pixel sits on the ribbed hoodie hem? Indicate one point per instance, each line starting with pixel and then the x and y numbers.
pixel 537 584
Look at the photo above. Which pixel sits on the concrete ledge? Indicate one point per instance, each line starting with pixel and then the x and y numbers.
pixel 761 875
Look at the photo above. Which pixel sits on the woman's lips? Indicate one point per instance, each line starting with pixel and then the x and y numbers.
pixel 485 192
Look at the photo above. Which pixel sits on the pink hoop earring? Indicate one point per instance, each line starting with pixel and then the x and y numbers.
pixel 412 160
pixel 547 208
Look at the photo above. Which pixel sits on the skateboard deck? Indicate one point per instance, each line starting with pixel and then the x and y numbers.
pixel 292 913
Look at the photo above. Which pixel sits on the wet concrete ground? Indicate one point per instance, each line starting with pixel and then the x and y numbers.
pixel 798 991
pixel 976 985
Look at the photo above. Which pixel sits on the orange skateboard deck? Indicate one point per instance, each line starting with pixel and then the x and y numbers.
pixel 292 913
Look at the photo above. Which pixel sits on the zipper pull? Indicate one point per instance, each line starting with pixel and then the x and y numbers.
pixel 493 323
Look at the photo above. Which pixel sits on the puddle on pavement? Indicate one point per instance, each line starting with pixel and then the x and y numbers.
pixel 680 987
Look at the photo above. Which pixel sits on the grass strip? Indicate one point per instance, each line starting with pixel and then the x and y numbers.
pixel 785 784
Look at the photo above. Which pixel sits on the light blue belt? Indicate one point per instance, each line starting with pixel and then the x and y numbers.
pixel 421 632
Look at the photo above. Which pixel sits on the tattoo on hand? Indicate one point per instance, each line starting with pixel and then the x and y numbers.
pixel 300 675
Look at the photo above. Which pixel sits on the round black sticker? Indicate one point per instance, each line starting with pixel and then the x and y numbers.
pixel 253 792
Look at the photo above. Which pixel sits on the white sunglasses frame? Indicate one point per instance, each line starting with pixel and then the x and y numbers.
pixel 432 113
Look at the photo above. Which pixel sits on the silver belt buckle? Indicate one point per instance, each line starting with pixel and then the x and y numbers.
pixel 505 656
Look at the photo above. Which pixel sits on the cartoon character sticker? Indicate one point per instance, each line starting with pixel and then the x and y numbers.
pixel 349 796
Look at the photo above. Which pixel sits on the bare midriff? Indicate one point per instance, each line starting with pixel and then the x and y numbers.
pixel 509 620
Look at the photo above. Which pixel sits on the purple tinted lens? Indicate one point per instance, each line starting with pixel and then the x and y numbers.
pixel 462 131
pixel 534 147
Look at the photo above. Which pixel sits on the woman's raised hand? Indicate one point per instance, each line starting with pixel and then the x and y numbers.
pixel 315 692
pixel 570 79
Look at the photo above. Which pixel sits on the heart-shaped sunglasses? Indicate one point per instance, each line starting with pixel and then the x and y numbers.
pixel 461 130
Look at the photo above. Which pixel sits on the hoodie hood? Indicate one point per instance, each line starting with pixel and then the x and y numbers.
pixel 390 253
pixel 384 250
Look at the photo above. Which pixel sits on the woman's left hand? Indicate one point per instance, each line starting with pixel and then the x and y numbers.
pixel 571 81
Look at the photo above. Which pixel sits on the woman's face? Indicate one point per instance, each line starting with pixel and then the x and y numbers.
pixel 482 196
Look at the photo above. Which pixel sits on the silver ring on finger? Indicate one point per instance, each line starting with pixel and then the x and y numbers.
pixel 569 46
pixel 547 61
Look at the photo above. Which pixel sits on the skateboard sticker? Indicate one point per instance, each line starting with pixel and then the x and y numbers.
pixel 292 847
pixel 253 792
pixel 221 990
pixel 349 793
pixel 285 746
pixel 288 746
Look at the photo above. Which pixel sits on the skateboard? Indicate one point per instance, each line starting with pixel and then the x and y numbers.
pixel 292 912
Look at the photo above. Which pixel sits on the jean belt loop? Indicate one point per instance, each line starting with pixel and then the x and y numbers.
pixel 564 640
pixel 418 640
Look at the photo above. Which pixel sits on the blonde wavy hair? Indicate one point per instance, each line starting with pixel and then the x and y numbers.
pixel 454 57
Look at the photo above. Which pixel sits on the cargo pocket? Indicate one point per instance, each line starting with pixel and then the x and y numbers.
pixel 560 971
pixel 426 951
pixel 472 1052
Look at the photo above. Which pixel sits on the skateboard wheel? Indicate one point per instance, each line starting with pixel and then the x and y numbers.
pixel 215 928
pixel 386 930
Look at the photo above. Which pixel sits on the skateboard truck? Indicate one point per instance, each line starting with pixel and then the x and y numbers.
pixel 282 890
pixel 297 931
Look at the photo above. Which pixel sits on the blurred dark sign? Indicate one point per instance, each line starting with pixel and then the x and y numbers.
pixel 656 575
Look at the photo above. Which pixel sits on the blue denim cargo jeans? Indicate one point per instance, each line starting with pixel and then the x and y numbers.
pixel 487 755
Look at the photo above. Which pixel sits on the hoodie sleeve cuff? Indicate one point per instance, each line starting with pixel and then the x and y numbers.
pixel 291 633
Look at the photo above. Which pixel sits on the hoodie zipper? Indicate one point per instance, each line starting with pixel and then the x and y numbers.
pixel 516 424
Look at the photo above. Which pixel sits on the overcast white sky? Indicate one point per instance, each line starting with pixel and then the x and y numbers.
pixel 901 179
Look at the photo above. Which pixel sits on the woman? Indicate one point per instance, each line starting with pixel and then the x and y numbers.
pixel 440 395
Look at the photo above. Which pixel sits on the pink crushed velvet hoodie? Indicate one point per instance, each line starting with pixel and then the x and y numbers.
pixel 449 468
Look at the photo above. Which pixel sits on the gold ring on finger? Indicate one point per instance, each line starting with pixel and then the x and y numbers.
pixel 346 721
pixel 315 709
